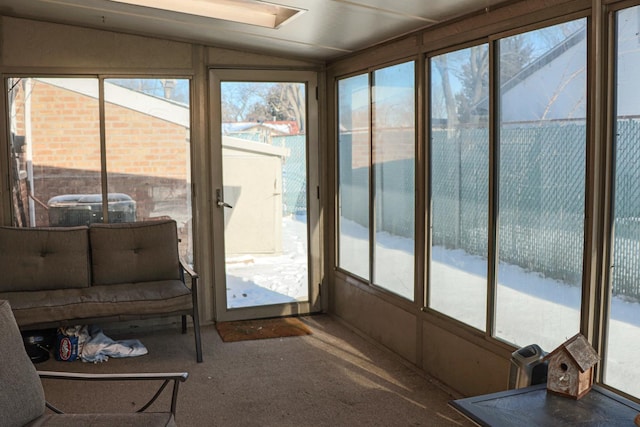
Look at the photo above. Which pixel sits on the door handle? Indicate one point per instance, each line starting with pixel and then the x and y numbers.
pixel 221 203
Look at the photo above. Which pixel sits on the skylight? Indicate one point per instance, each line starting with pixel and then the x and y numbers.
pixel 253 12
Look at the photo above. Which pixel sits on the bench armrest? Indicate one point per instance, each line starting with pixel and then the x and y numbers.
pixel 184 267
pixel 190 271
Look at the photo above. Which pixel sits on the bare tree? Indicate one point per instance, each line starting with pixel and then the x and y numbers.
pixel 464 78
pixel 282 102
pixel 474 85
pixel 240 100
pixel 442 65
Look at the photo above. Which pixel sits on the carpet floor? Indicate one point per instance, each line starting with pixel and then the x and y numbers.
pixel 333 377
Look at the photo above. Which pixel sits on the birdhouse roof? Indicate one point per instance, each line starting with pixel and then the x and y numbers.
pixel 579 350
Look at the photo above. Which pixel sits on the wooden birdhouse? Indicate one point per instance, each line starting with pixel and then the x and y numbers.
pixel 571 367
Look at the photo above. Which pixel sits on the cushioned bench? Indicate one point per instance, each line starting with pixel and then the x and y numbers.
pixel 60 276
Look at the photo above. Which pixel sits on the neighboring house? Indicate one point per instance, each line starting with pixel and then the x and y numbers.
pixel 280 128
pixel 532 95
pixel 260 131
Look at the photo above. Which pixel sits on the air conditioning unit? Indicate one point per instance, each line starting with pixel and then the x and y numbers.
pixel 527 367
pixel 82 209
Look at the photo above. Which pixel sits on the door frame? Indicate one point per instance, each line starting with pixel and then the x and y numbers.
pixel 310 79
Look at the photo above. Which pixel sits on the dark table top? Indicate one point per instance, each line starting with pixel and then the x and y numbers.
pixel 533 406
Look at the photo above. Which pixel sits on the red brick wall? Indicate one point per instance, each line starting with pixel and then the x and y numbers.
pixel 65 132
pixel 144 145
pixel 147 157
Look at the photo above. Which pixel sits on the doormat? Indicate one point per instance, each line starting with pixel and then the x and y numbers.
pixel 261 329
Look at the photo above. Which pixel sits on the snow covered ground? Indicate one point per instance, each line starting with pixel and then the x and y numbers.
pixel 264 280
pixel 530 308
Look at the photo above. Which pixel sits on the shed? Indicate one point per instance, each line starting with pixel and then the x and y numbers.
pixel 252 177
pixel 571 367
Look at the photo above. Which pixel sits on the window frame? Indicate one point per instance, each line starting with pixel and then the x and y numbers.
pixel 370 281
pixel 598 313
pixel 429 183
pixel 104 171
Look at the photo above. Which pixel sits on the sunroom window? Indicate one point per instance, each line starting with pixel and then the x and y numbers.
pixel 623 322
pixel 354 155
pixel 61 168
pixel 542 137
pixel 376 173
pixel 459 184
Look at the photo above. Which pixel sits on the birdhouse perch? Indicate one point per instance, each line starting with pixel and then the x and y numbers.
pixel 571 367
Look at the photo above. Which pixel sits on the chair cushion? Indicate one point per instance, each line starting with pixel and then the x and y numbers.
pixel 43 258
pixel 22 395
pixel 134 252
pixel 126 300
pixel 107 420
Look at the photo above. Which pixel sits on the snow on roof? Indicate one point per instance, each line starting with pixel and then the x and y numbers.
pixel 281 127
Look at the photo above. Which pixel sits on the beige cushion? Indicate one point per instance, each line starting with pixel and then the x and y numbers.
pixel 43 258
pixel 127 300
pixel 21 393
pixel 134 252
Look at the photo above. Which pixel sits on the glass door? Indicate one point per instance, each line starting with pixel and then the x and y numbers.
pixel 265 193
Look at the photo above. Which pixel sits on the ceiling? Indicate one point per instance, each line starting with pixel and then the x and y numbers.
pixel 326 30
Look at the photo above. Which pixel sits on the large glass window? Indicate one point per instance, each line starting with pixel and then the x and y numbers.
pixel 354 156
pixel 621 367
pixel 393 160
pixel 376 141
pixel 459 184
pixel 55 149
pixel 147 129
pixel 57 167
pixel 542 163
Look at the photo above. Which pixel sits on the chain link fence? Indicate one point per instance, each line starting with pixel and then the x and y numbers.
pixel 294 173
pixel 460 191
pixel 541 194
pixel 626 245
